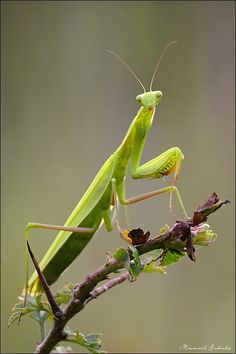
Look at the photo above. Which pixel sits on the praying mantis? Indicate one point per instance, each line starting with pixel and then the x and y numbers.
pixel 108 188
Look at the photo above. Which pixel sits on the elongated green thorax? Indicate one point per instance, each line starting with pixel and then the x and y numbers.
pixel 133 142
pixel 135 138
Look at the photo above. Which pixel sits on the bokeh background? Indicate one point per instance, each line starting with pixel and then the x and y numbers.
pixel 66 105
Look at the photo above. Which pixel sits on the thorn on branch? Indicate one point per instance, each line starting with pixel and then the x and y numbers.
pixel 58 313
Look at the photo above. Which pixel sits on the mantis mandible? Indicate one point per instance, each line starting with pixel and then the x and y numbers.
pixel 108 186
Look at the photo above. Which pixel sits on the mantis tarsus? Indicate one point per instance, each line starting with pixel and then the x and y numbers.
pixel 108 186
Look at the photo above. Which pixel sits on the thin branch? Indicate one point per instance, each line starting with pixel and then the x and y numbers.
pixel 108 285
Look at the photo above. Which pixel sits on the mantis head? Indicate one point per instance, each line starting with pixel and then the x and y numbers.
pixel 149 99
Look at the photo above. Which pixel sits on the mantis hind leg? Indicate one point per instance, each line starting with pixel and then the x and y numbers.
pixel 31 225
pixel 166 163
pixel 116 203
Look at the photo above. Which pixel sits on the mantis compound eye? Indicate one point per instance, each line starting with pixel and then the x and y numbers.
pixel 159 94
pixel 139 98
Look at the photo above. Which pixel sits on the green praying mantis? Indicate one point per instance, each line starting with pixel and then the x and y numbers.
pixel 108 189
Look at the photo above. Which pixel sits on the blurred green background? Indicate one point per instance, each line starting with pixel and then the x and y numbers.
pixel 66 105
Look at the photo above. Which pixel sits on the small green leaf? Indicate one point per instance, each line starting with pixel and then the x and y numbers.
pixel 91 342
pixel 13 317
pixel 154 268
pixel 121 255
pixel 64 295
pixel 93 337
pixel 136 265
pixel 150 261
pixel 172 256
pixel 39 316
pixel 203 238
pixel 164 229
pixel 152 255
pixel 33 303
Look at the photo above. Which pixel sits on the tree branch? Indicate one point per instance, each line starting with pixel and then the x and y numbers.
pixel 108 285
pixel 179 237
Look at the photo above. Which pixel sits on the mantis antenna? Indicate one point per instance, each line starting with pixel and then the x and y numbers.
pixel 127 66
pixel 158 62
